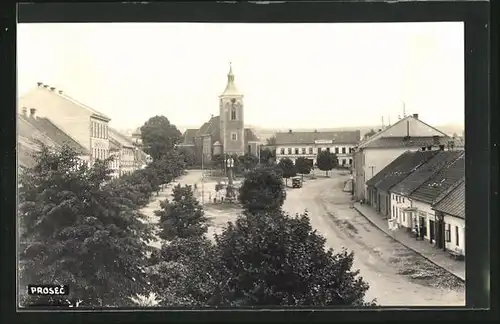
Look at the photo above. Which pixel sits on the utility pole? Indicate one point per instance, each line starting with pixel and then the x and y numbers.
pixel 404 109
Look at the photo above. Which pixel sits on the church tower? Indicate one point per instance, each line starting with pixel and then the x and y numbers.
pixel 232 129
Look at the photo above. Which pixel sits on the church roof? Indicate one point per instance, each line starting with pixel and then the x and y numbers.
pixel 189 135
pixel 250 135
pixel 231 89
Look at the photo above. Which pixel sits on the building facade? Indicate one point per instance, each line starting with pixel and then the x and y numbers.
pixel 85 125
pixel 376 152
pixel 293 145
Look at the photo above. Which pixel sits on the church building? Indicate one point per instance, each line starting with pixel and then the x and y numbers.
pixel 225 133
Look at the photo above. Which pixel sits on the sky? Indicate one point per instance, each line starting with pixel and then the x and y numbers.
pixel 292 75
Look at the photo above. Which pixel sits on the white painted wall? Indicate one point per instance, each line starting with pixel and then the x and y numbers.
pixel 311 151
pixel 455 224
pixel 398 204
pixel 424 209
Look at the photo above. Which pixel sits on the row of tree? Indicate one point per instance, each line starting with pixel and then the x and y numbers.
pixel 325 161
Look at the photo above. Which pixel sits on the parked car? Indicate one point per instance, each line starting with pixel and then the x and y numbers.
pixel 296 182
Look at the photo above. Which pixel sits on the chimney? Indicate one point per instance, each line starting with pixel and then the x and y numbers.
pixel 423 148
pixel 60 92
pixel 39 84
pixel 441 147
pixel 25 111
pixel 415 116
pixel 32 112
pixel 45 85
pixel 52 88
pixel 429 148
pixel 435 140
pixel 289 131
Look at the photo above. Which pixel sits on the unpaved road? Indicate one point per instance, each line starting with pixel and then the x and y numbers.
pixel 397 275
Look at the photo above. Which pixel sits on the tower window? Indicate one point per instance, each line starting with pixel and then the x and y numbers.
pixel 234 136
pixel 233 113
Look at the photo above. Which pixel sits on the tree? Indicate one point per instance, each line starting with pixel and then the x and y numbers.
pixel 188 156
pixel 326 161
pixel 262 189
pixel 271 141
pixel 267 155
pixel 287 168
pixel 370 133
pixel 183 217
pixel 77 234
pixel 249 161
pixel 303 166
pixel 271 258
pixel 159 136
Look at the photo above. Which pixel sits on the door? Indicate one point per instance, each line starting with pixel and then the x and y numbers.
pixel 432 230
pixel 440 234
pixel 422 227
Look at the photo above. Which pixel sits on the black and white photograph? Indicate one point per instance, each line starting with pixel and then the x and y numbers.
pixel 234 165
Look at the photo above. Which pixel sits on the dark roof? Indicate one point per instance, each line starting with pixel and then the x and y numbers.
pixel 212 128
pixel 407 166
pixel 189 135
pixel 25 156
pixel 393 142
pixel 250 135
pixel 340 137
pixel 430 190
pixel 425 171
pixel 453 201
pixel 45 126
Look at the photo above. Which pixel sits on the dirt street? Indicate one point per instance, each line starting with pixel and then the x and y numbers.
pixel 397 275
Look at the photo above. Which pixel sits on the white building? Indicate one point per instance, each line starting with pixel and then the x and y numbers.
pixel 82 123
pixel 126 157
pixel 376 152
pixel 293 145
pixel 414 200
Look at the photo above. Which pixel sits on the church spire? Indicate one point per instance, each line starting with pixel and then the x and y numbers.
pixel 230 87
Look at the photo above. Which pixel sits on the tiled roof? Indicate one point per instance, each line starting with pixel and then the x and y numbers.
pixel 40 96
pixel 407 166
pixel 425 171
pixel 114 145
pixel 42 129
pixel 382 173
pixel 250 135
pixel 430 190
pixel 25 156
pixel 341 137
pixel 393 142
pixel 212 127
pixel 189 135
pixel 453 202
pixel 122 139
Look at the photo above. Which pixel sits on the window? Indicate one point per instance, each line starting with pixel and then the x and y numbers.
pixel 336 150
pixel 290 150
pixel 233 113
pixel 457 239
pixel 234 136
pixel 282 151
pixel 404 217
pixel 350 161
pixel 319 150
pixel 296 151
pixel 328 149
pixel 447 233
pixel 343 161
pixel 393 211
pixel 303 150
pixel 403 199
pixel 311 150
pixel 343 150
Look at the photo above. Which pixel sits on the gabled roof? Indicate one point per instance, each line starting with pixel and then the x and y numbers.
pixel 43 95
pixel 425 171
pixel 339 137
pixel 452 202
pixel 189 135
pixel 114 145
pixel 122 139
pixel 406 167
pixel 250 135
pixel 394 142
pixel 54 133
pixel 430 190
pixel 387 131
pixel 212 127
